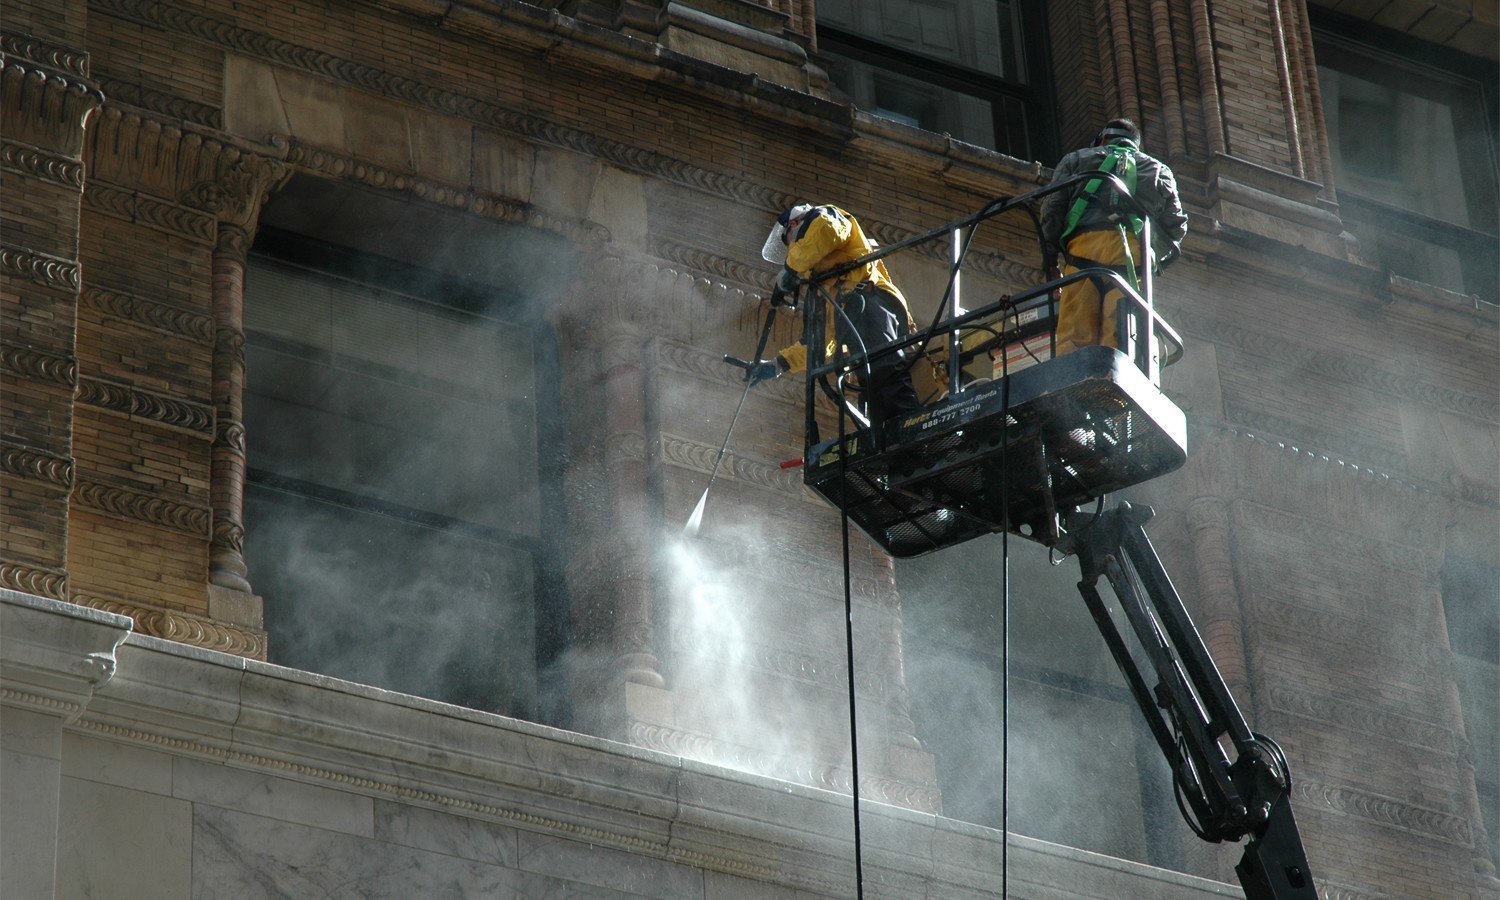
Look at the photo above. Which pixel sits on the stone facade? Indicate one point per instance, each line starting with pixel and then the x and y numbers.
pixel 1343 434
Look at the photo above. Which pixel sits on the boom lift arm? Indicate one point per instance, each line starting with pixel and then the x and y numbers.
pixel 1230 782
pixel 1016 453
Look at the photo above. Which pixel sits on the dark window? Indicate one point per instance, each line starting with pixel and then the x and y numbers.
pixel 969 68
pixel 1412 133
pixel 399 508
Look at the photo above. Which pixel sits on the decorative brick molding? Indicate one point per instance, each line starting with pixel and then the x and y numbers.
pixel 758 277
pixel 123 203
pixel 700 457
pixel 25 462
pixel 163 104
pixel 184 628
pixel 36 365
pixel 1382 810
pixel 159 317
pixel 138 507
pixel 31 579
pixel 45 53
pixel 1326 710
pixel 28 160
pixel 40 268
pixel 197 418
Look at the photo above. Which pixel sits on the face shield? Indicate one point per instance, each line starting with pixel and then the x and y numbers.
pixel 775 249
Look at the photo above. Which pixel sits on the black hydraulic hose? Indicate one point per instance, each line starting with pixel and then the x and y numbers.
pixel 1004 631
pixel 859 867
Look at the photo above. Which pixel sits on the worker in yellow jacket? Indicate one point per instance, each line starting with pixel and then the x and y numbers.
pixel 870 310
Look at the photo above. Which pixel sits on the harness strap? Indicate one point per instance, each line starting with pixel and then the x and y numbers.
pixel 1089 192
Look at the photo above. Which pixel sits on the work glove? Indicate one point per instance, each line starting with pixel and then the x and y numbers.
pixel 1049 265
pixel 783 299
pixel 764 370
pixel 786 282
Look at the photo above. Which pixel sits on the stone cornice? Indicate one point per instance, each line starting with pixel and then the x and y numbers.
pixel 337 164
pixel 45 53
pixel 760 761
pixel 159 317
pixel 44 108
pixel 28 160
pixel 36 465
pixel 275 723
pixel 195 418
pixel 185 628
pixel 40 268
pixel 139 507
pixel 54 655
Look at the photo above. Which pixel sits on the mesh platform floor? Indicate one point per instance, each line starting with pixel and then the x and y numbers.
pixel 1069 431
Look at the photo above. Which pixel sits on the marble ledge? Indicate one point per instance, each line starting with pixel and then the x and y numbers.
pixel 233 734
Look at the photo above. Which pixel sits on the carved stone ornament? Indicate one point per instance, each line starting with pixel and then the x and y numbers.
pixel 36 365
pixel 184 627
pixel 40 268
pixel 197 418
pixel 34 465
pixel 45 108
pixel 139 507
pixel 29 160
pixel 29 579
pixel 172 166
pixel 44 53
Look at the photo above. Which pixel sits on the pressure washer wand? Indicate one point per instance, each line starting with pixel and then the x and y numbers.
pixel 695 521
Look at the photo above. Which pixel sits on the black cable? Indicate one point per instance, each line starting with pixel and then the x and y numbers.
pixel 1004 630
pixel 859 868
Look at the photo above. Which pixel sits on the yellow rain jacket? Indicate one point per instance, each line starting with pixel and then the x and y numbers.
pixel 827 237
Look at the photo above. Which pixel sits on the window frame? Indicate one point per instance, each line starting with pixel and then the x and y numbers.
pixel 1035 95
pixel 1355 46
pixel 551 601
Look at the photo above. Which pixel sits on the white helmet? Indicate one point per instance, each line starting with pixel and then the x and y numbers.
pixel 775 249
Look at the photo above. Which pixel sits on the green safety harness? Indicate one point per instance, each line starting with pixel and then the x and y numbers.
pixel 1120 157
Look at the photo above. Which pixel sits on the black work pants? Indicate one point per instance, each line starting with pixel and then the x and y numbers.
pixel 877 317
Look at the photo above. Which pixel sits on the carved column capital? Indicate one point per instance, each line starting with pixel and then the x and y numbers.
pixel 45 108
pixel 196 170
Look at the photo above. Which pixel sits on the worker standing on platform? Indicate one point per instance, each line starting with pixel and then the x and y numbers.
pixel 870 310
pixel 1090 227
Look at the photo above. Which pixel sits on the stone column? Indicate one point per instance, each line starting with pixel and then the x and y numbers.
pixel 45 104
pixel 610 572
pixel 227 489
pixel 1222 624
pixel 53 655
pixel 240 183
